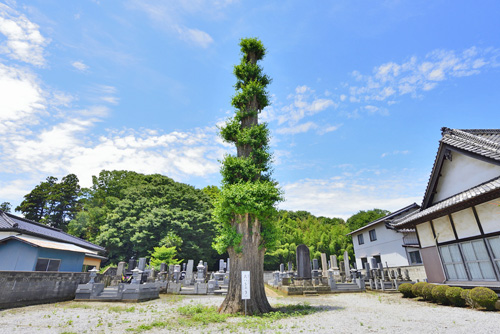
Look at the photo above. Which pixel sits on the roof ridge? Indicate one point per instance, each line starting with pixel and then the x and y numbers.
pixel 7 218
pixel 477 140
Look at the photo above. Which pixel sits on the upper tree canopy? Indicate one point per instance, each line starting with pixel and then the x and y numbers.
pixel 247 187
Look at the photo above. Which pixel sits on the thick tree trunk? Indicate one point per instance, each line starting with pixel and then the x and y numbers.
pixel 250 259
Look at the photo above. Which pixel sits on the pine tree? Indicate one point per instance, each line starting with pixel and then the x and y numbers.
pixel 245 209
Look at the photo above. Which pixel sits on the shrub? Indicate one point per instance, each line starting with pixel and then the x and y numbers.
pixel 454 295
pixel 417 288
pixel 484 297
pixel 427 291
pixel 405 289
pixel 439 294
pixel 465 294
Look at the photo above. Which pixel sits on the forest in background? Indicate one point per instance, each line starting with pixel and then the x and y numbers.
pixel 133 214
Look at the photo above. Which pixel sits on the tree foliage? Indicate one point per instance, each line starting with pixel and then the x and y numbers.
pixel 320 234
pixel 53 203
pixel 164 255
pixel 362 218
pixel 130 213
pixel 5 206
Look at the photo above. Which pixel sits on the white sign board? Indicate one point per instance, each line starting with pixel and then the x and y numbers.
pixel 245 285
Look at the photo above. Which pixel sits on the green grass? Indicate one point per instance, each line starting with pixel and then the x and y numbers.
pixel 119 309
pixel 198 315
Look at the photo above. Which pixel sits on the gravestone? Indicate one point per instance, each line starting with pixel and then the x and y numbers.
pixel 171 272
pixel 222 265
pixel 189 272
pixel 228 264
pixel 177 273
pixel 333 260
pixel 120 270
pixel 373 263
pixel 367 267
pixel 200 273
pixel 400 277
pixel 282 268
pixel 346 263
pixel 163 267
pixel 142 264
pixel 132 263
pixel 290 266
pixel 303 262
pixel 324 265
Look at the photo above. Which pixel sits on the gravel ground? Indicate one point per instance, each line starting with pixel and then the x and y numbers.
pixel 342 313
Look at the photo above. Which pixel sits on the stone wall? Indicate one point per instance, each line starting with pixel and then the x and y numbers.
pixel 20 288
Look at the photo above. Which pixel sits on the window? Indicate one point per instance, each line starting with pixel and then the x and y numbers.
pixel 495 250
pixel 415 257
pixel 477 260
pixel 452 262
pixel 377 259
pixel 47 265
pixel 373 235
pixel 361 240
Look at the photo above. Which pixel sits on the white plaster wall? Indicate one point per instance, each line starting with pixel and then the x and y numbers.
pixel 465 223
pixel 443 229
pixel 425 235
pixel 489 215
pixel 389 245
pixel 463 173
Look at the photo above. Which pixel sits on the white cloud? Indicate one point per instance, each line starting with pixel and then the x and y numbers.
pixel 21 98
pixel 383 155
pixel 79 65
pixel 344 195
pixel 299 128
pixel 169 16
pixel 415 76
pixel 24 41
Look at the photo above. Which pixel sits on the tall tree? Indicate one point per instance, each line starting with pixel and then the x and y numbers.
pixel 362 218
pixel 5 207
pixel 245 208
pixel 52 203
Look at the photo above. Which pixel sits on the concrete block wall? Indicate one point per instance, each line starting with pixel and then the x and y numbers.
pixel 21 288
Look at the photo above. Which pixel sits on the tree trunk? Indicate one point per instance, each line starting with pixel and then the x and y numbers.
pixel 250 259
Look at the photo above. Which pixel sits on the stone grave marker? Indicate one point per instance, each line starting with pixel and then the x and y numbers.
pixel 132 263
pixel 324 265
pixel 303 262
pixel 120 270
pixel 142 264
pixel 346 263
pixel 189 272
pixel 333 260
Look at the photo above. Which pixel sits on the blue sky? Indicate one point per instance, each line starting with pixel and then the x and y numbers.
pixel 360 91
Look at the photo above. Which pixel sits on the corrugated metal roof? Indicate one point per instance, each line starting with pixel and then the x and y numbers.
pixel 49 244
pixel 10 222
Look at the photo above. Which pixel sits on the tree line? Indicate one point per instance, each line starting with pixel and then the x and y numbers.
pixel 133 214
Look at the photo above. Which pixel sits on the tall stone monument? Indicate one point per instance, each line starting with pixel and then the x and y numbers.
pixel 303 262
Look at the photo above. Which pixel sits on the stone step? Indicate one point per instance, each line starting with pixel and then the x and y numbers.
pixel 310 293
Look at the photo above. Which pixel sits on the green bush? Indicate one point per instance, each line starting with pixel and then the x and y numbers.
pixel 465 294
pixel 427 291
pixel 484 297
pixel 439 294
pixel 417 288
pixel 454 295
pixel 405 289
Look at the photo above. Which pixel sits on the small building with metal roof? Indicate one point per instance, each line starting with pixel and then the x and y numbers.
pixel 26 245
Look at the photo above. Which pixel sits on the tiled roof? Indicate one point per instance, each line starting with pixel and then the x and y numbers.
pixel 387 218
pixel 25 226
pixel 491 187
pixel 483 142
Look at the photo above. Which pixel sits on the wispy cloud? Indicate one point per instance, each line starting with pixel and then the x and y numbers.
pixel 80 66
pixel 394 153
pixel 24 42
pixel 347 193
pixel 415 76
pixel 305 103
pixel 170 16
